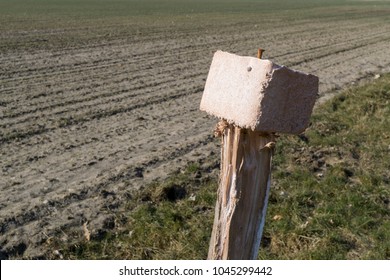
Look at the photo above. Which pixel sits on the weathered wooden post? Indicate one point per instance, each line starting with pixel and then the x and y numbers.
pixel 254 98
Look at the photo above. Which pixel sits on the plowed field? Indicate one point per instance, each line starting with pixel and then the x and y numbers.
pixel 99 100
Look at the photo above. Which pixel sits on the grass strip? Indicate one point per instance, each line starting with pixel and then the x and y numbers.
pixel 329 199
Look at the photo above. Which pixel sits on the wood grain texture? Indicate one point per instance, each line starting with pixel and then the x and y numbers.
pixel 242 195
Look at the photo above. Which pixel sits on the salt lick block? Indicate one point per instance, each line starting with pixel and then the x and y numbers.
pixel 259 94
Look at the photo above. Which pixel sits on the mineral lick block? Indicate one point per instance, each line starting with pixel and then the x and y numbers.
pixel 259 94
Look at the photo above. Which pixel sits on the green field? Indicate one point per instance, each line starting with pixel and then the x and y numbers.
pixel 90 9
pixel 72 22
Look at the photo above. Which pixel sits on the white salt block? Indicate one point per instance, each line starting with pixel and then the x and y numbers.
pixel 259 94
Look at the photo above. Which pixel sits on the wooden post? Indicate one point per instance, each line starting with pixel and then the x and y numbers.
pixel 255 98
pixel 242 195
pixel 245 181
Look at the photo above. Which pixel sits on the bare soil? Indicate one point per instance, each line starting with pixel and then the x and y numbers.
pixel 83 123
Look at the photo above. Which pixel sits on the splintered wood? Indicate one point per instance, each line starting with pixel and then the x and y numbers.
pixel 254 98
pixel 243 193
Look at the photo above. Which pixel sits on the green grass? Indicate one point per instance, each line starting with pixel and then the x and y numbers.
pixel 329 199
pixel 332 190
pixel 45 14
pixel 168 219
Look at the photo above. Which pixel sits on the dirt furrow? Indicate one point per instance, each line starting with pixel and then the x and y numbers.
pixel 297 63
pixel 89 113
